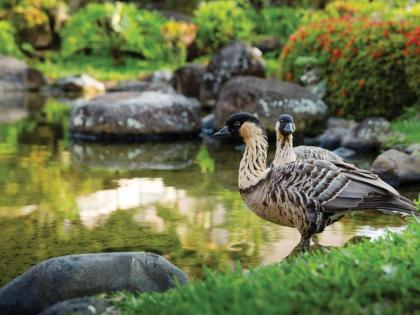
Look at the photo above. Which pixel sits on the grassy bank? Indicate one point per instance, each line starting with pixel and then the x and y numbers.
pixel 407 128
pixel 369 278
pixel 101 68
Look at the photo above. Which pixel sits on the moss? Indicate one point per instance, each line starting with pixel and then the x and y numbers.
pixel 379 277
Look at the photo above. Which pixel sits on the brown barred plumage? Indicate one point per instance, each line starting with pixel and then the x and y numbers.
pixel 307 195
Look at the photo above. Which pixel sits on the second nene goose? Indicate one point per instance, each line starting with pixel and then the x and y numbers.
pixel 285 152
pixel 307 195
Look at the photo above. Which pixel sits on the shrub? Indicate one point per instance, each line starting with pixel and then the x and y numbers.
pixel 114 29
pixel 362 60
pixel 220 22
pixel 412 60
pixel 8 44
pixel 277 21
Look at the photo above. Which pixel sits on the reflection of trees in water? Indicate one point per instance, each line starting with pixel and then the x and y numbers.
pixel 53 205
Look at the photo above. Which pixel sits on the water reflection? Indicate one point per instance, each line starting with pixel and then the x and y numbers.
pixel 176 199
pixel 157 156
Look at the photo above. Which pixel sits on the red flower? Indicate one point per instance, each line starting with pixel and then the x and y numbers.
pixel 289 76
pixel 362 83
pixel 337 53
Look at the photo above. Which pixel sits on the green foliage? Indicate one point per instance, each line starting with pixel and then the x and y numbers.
pixel 8 44
pixel 343 281
pixel 412 60
pixel 407 128
pixel 220 22
pixel 112 29
pixel 277 21
pixel 101 68
pixel 361 60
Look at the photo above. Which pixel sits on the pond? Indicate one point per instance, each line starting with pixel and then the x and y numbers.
pixel 177 199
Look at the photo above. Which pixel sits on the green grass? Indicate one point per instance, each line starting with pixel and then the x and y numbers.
pixel 100 67
pixel 406 127
pixel 367 278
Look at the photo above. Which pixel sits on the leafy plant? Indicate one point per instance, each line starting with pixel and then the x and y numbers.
pixel 220 22
pixel 362 60
pixel 277 21
pixel 8 44
pixel 113 29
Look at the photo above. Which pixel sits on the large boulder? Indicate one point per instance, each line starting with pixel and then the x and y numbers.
pixel 145 156
pixel 80 84
pixel 367 135
pixel 187 80
pixel 332 138
pixel 67 277
pixel 147 114
pixel 268 99
pixel 236 59
pixel 16 75
pixel 396 167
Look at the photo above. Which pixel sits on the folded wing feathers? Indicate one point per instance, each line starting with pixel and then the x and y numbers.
pixel 339 186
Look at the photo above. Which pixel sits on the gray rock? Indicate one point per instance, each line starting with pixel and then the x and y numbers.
pixel 150 114
pixel 16 75
pixel 67 277
pixel 335 122
pixel 161 76
pixel 367 135
pixel 332 137
pixel 236 59
pixel 142 86
pixel 396 167
pixel 413 149
pixel 187 80
pixel 16 105
pixel 344 153
pixel 80 84
pixel 143 156
pixel 268 99
pixel 82 306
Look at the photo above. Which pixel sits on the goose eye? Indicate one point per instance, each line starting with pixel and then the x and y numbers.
pixel 236 123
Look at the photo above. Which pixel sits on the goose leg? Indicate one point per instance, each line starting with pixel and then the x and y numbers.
pixel 304 243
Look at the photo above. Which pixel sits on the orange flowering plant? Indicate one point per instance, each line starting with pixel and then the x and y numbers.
pixel 370 66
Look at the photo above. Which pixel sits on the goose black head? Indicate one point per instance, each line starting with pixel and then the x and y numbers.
pixel 239 125
pixel 285 125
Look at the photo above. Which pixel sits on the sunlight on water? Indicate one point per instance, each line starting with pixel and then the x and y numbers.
pixel 176 199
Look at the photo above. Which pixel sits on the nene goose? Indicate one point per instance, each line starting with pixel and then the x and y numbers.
pixel 307 195
pixel 285 152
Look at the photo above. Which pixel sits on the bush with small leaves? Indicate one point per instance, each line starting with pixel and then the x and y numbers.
pixel 220 22
pixel 363 61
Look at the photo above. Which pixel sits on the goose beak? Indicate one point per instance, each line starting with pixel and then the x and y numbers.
pixel 224 132
pixel 288 129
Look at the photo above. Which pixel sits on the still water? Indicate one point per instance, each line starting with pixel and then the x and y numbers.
pixel 177 199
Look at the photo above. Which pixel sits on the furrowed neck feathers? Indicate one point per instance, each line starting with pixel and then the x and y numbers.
pixel 253 166
pixel 284 150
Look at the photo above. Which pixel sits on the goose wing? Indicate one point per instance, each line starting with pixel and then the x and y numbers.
pixel 315 153
pixel 339 186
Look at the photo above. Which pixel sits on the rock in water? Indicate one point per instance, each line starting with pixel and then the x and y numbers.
pixel 268 99
pixel 16 75
pixel 80 84
pixel 67 277
pixel 148 114
pixel 396 167
pixel 233 60
pixel 187 80
pixel 82 306
pixel 367 135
